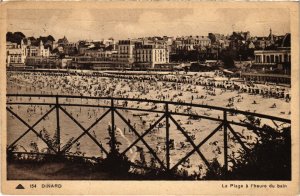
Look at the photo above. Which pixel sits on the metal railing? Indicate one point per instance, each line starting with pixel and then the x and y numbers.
pixel 114 110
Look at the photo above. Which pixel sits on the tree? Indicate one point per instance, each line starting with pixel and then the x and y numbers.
pixel 269 159
pixel 50 38
pixel 19 34
pixel 15 37
pixel 227 56
pixel 9 36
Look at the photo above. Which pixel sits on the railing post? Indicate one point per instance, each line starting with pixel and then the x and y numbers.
pixel 57 125
pixel 113 139
pixel 167 136
pixel 225 122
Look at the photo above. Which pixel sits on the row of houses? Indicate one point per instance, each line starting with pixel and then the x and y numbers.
pixel 18 54
pixel 92 54
pixel 141 53
pixel 127 54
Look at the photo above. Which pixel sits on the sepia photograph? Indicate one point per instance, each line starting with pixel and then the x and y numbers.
pixel 158 93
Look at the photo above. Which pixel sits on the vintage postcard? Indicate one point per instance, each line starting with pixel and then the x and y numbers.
pixel 160 98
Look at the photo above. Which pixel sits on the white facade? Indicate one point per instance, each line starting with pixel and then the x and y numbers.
pixel 103 54
pixel 272 56
pixel 126 51
pixel 191 42
pixel 15 54
pixel 37 50
pixel 151 54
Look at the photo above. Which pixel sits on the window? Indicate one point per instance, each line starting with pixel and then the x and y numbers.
pixel 268 59
pixel 272 58
pixel 285 58
pixel 280 58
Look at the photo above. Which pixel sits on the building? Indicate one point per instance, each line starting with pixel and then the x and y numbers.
pixel 84 45
pixel 62 42
pixel 148 56
pixel 273 61
pixel 239 39
pixel 109 43
pixel 100 53
pixel 272 41
pixel 42 62
pixel 48 42
pixel 65 62
pixel 190 43
pixel 31 50
pixel 16 54
pixel 126 52
pixel 272 56
pixel 278 61
pixel 70 48
pixel 262 77
pixel 281 54
pixel 88 62
pixel 39 51
pixel 140 53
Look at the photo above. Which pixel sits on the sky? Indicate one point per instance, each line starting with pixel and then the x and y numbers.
pixel 96 24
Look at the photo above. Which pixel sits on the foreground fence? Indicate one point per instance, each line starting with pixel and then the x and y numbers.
pixel 57 104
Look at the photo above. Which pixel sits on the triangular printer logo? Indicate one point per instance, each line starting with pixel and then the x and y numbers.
pixel 20 186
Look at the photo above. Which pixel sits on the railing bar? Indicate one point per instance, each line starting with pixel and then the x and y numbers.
pixel 143 135
pixel 155 101
pixel 225 137
pixel 85 105
pixel 117 98
pixel 32 129
pixel 149 110
pixel 198 146
pixel 166 115
pixel 61 104
pixel 146 110
pixel 87 130
pixel 78 124
pixel 167 136
pixel 57 125
pixel 140 109
pixel 37 122
pixel 238 138
pixel 113 126
pixel 23 103
pixel 191 142
pixel 145 143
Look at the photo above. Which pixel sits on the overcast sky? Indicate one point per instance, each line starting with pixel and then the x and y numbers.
pixel 95 24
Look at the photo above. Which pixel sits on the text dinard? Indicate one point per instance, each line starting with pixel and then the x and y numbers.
pixel 51 186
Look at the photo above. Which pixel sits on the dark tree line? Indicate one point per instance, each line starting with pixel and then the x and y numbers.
pixel 15 37
pixel 269 159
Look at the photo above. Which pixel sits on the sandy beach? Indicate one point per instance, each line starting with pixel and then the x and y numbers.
pixel 197 89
